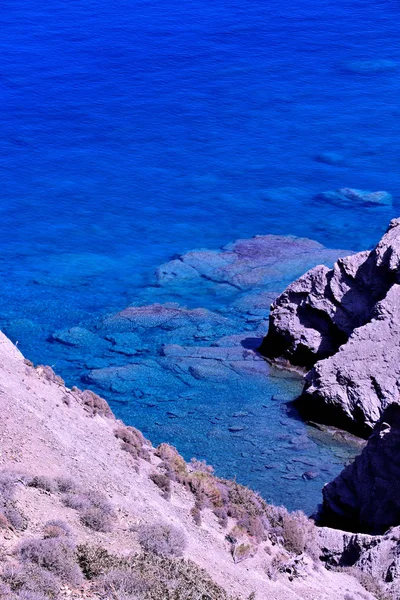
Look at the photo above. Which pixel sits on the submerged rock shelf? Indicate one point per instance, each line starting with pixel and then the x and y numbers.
pixel 192 376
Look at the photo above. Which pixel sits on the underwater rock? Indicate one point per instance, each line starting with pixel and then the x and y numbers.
pixel 330 158
pixel 281 194
pixel 365 496
pixel 77 337
pixel 246 264
pixel 348 197
pixel 129 344
pixel 144 378
pixel 371 67
pixel 168 316
pixel 350 316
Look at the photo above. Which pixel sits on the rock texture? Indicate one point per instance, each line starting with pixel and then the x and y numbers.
pixel 375 558
pixel 365 496
pixel 344 325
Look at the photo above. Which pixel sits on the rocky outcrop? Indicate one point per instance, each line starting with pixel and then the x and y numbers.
pixel 354 386
pixel 365 496
pixel 344 325
pixel 374 559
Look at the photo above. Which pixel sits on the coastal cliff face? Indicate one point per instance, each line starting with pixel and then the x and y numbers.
pixel 343 324
pixel 89 509
pixel 365 496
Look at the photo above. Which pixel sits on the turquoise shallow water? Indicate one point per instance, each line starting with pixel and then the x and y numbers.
pixel 135 131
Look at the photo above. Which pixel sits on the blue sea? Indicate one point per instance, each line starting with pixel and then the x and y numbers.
pixel 133 131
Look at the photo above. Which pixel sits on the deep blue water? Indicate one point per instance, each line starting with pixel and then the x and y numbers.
pixel 132 131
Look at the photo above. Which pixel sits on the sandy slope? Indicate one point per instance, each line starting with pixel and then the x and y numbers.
pixel 44 429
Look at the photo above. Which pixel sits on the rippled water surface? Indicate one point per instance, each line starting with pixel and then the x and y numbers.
pixel 132 131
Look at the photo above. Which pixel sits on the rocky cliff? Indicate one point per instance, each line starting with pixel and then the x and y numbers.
pixel 365 496
pixel 343 324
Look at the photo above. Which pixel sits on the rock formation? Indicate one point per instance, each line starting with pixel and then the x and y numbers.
pixel 375 559
pixel 344 325
pixel 365 496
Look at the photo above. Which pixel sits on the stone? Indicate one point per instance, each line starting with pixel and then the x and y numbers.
pixel 344 325
pixel 365 495
pixel 308 475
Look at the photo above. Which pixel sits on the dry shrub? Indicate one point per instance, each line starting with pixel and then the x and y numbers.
pixel 298 534
pixel 11 515
pixel 15 517
pixel 5 591
pixel 29 579
pixel 67 484
pixel 94 404
pixel 56 528
pixel 163 482
pixel 78 501
pixel 162 539
pixel 154 575
pixel 255 519
pixel 95 560
pixel 43 482
pixel 27 595
pixel 222 516
pixel 173 461
pixel 242 552
pixel 196 514
pixel 95 518
pixel 48 373
pixel 95 510
pixel 133 442
pixel 8 481
pixel 201 466
pixel 56 555
pixel 225 498
pixel 121 581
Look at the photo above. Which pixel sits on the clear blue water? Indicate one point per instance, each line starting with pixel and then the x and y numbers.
pixel 135 131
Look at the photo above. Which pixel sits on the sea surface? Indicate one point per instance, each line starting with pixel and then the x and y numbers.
pixel 133 131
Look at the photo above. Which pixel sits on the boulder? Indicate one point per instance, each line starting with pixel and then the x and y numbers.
pixel 365 496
